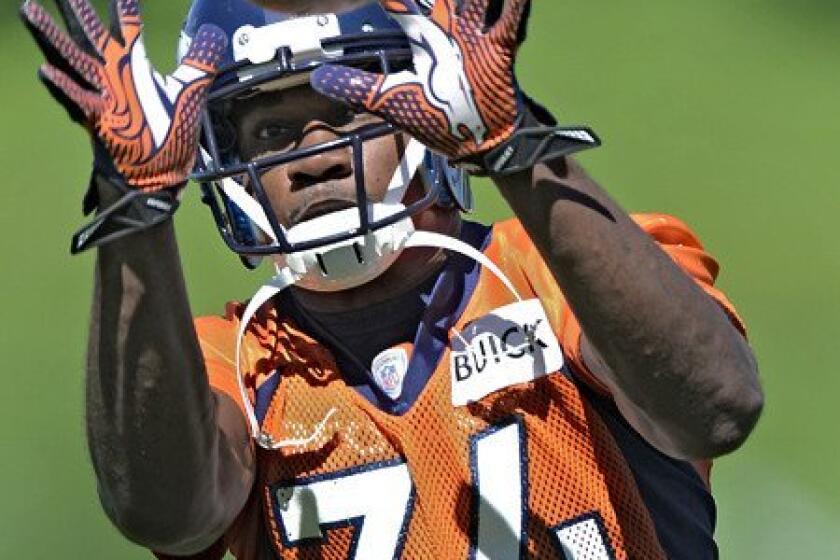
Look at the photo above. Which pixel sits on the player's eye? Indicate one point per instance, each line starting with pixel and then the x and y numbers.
pixel 353 120
pixel 347 115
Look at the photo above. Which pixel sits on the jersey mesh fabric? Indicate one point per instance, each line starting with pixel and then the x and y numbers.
pixel 574 468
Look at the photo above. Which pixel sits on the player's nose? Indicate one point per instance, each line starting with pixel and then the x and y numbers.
pixel 328 166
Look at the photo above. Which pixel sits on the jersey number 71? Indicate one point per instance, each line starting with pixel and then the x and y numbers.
pixel 377 500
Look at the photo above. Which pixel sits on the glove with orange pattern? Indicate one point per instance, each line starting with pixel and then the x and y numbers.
pixel 144 126
pixel 461 99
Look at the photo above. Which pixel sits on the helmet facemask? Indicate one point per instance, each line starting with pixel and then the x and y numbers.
pixel 346 248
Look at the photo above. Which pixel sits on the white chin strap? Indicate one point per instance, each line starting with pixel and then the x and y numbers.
pixel 346 264
pixel 342 265
pixel 286 278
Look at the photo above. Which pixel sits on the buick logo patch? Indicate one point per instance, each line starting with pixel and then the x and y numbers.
pixel 511 345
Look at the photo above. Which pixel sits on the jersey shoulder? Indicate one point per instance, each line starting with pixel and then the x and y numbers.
pixel 665 228
pixel 217 335
pixel 673 235
pixel 218 332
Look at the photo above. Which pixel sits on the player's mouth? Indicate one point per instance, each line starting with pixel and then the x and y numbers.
pixel 320 208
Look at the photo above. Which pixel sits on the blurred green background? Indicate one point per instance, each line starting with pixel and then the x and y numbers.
pixel 723 113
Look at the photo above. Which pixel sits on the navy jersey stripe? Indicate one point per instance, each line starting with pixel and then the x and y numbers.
pixel 680 504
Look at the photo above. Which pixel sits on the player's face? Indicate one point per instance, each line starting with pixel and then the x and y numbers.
pixel 296 118
pixel 277 122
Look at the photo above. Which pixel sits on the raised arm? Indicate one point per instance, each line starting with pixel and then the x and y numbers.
pixel 173 460
pixel 680 372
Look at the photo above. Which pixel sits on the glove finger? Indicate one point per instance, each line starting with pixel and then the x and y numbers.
pixel 196 72
pixel 126 24
pixel 403 104
pixel 58 48
pixel 84 24
pixel 196 75
pixel 206 50
pixel 510 29
pixel 416 25
pixel 444 13
pixel 474 12
pixel 351 86
pixel 400 7
pixel 82 105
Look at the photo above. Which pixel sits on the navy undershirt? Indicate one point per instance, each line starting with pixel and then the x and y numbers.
pixel 681 507
pixel 428 316
pixel 370 330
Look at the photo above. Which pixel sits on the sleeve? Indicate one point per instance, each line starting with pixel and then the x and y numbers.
pixel 675 238
pixel 217 338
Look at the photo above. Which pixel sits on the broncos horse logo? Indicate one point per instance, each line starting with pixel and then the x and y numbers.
pixel 439 70
pixel 460 98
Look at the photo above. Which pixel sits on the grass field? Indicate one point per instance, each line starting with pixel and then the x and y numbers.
pixel 723 113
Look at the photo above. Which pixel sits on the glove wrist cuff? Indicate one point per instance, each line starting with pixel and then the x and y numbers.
pixel 120 210
pixel 537 138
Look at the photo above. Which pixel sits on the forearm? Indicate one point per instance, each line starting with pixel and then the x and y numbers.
pixel 170 457
pixel 167 473
pixel 668 349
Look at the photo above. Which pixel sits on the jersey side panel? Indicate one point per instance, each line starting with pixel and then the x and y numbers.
pixel 575 468
pixel 679 242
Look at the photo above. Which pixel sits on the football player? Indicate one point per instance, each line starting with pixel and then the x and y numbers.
pixel 409 384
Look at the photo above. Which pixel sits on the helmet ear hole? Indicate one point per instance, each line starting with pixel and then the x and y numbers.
pixel 224 130
pixel 452 183
pixel 250 262
pixel 458 184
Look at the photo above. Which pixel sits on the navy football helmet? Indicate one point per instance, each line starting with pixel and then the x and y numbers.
pixel 269 50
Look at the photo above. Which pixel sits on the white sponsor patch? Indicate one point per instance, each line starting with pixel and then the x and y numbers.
pixel 511 345
pixel 388 370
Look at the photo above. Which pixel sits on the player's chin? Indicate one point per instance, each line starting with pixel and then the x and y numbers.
pixel 309 6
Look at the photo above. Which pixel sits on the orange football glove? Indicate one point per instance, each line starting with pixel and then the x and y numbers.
pixel 461 99
pixel 143 124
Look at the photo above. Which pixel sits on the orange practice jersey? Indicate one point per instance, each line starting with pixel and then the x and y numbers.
pixel 532 470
